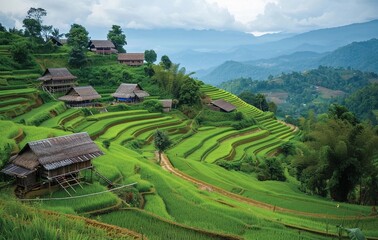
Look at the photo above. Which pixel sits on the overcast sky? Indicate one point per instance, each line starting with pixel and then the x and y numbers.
pixel 254 16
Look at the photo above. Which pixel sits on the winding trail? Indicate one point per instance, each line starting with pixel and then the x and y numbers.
pixel 166 164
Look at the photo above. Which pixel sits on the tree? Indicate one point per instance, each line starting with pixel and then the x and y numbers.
pixel 189 92
pixel 33 22
pixel 32 27
pixel 257 100
pixel 150 56
pixel 37 14
pixel 338 157
pixel 161 142
pixel 166 62
pixel 55 33
pixel 20 52
pixel 46 31
pixel 118 38
pixel 2 28
pixel 271 169
pixel 77 36
pixel 77 57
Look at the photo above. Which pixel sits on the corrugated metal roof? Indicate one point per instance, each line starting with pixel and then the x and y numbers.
pixel 14 170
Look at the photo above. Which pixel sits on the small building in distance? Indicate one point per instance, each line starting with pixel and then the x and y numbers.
pixel 131 59
pixel 167 104
pixel 57 80
pixel 53 161
pixel 130 92
pixel 57 41
pixel 80 96
pixel 222 105
pixel 102 46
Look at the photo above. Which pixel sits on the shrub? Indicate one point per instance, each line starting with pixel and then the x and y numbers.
pixel 118 107
pixel 230 165
pixel 153 105
pixel 271 169
pixel 243 124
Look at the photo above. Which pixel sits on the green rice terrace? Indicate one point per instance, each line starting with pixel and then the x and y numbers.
pixel 206 185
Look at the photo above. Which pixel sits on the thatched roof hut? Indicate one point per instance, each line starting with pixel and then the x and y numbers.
pixel 80 96
pixel 131 59
pixel 57 74
pixel 130 92
pixel 223 105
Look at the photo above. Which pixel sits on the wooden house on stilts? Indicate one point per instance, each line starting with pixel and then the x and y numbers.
pixel 57 80
pixel 53 161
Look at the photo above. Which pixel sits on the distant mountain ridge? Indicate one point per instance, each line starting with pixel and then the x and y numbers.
pixel 358 55
pixel 322 40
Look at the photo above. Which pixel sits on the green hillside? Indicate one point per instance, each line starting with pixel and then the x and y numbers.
pixel 225 175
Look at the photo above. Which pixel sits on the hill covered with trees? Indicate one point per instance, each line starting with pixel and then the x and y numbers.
pixel 298 92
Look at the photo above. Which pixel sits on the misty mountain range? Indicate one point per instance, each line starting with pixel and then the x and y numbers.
pixel 357 55
pixel 217 56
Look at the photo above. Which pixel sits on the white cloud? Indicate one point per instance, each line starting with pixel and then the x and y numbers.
pixel 196 14
pixel 246 15
pixel 299 16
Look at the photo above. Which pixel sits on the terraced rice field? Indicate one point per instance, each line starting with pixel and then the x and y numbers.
pixel 176 203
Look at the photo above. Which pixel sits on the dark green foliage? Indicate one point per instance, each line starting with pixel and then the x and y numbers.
pixel 257 100
pixel 20 52
pixel 118 38
pixel 271 169
pixel 32 27
pixel 189 92
pixel 287 148
pixel 118 107
pixel 149 70
pixel 238 116
pixel 217 118
pixel 150 56
pixel 338 156
pixel 243 124
pixel 2 28
pixel 77 57
pixel 166 62
pixel 364 101
pixel 341 112
pixel 230 165
pixel 77 36
pixel 106 144
pixel 153 105
pixel 161 142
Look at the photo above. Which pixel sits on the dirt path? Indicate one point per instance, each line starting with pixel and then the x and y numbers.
pixel 166 164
